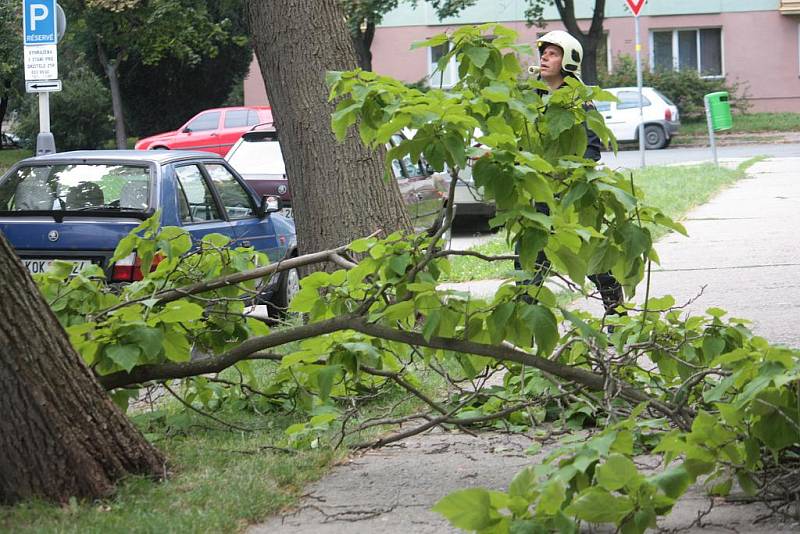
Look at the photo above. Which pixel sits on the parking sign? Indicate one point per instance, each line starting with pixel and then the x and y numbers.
pixel 39 22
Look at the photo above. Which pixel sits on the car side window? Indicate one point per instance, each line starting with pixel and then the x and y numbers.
pixel 602 106
pixel 195 200
pixel 236 118
pixel 236 201
pixel 206 121
pixel 630 99
pixel 252 118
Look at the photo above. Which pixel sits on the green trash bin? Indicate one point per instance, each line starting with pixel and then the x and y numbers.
pixel 720 109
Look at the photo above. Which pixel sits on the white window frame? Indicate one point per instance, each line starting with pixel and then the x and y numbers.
pixel 449 75
pixel 675 53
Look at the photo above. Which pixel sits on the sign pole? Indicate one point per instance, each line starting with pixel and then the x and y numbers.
pixel 43 23
pixel 711 139
pixel 639 86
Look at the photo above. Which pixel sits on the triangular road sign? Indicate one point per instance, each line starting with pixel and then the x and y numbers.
pixel 636 6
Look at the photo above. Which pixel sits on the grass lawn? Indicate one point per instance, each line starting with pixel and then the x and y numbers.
pixel 749 123
pixel 9 156
pixel 221 479
pixel 674 189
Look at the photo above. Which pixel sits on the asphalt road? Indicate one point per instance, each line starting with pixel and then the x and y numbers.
pixel 632 159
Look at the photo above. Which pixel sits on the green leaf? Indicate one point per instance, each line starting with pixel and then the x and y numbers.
pixel 216 240
pixel 174 241
pixel 436 40
pixel 558 120
pixel 477 54
pixel 545 327
pixel 553 496
pixel 176 346
pixel 522 483
pixel 616 472
pixel 401 310
pixel 179 311
pixel 398 264
pixel 148 338
pixel 673 482
pixel 126 356
pixel 497 322
pixel 467 509
pixel 325 377
pixel 596 505
pixel 496 93
pixel 432 325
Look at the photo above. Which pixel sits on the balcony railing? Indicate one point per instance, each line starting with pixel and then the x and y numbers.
pixel 790 7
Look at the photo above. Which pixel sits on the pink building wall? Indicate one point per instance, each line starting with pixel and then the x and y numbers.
pixel 759 51
pixel 255 93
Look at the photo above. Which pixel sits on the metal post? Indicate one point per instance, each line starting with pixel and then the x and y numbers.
pixel 639 85
pixel 45 142
pixel 711 139
pixel 44 112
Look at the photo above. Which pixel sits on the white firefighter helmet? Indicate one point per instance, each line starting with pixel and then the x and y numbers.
pixel 573 51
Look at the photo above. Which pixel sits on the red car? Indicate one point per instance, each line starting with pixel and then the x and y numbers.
pixel 213 130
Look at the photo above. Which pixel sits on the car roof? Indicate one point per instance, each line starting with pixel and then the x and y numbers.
pixel 159 157
pixel 234 108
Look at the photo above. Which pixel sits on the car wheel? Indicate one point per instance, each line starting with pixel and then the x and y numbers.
pixel 159 148
pixel 288 287
pixel 654 137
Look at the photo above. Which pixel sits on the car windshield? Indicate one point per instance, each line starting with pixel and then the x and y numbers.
pixel 76 187
pixel 258 157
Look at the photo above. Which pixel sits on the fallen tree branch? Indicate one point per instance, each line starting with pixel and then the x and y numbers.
pixel 243 351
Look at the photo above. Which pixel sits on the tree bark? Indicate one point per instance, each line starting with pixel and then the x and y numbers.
pixel 60 434
pixel 338 190
pixel 111 68
pixel 3 109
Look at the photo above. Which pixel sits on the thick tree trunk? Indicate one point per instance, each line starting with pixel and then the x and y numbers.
pixel 111 68
pixel 338 190
pixel 60 433
pixel 3 110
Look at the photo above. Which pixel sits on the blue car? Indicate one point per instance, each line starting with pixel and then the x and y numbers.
pixel 77 206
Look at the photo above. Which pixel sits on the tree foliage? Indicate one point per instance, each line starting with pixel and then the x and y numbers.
pixel 146 32
pixel 716 402
pixel 156 95
pixel 11 73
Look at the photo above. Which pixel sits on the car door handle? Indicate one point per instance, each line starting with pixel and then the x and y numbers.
pixel 608 116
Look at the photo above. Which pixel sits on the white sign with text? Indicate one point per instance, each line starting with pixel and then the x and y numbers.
pixel 41 62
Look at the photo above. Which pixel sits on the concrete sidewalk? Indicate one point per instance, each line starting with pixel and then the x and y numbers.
pixel 743 248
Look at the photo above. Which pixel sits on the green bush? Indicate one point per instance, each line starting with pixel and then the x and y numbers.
pixel 80 115
pixel 685 88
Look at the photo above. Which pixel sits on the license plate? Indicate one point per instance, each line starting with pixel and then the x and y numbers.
pixel 42 266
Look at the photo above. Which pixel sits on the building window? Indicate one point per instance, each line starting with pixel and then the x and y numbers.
pixel 696 49
pixel 437 77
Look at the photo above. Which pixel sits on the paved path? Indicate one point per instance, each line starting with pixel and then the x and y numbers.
pixel 743 248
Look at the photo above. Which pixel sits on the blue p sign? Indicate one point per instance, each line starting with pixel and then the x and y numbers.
pixel 39 21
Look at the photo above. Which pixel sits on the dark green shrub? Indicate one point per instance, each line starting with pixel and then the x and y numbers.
pixel 685 88
pixel 80 115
